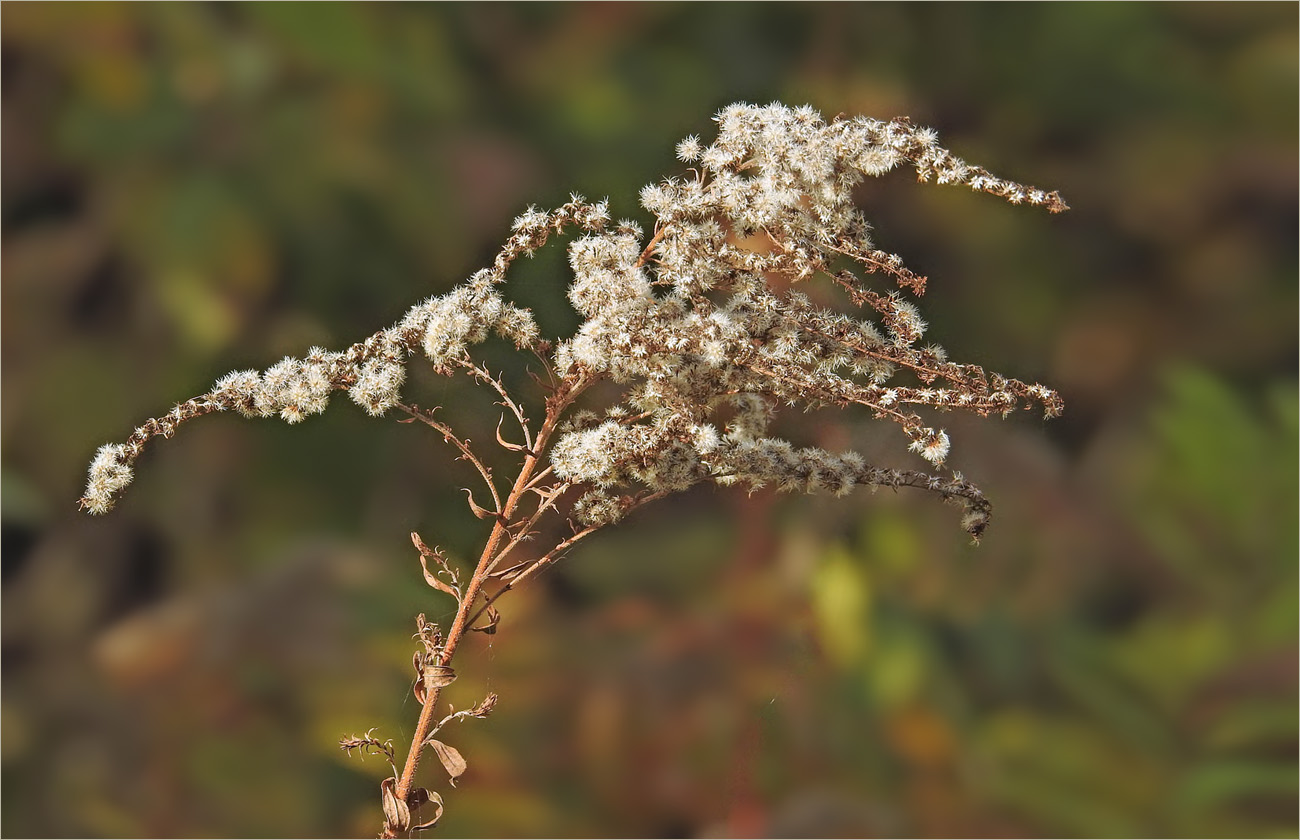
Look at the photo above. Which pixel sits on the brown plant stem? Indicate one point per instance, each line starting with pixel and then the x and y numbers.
pixel 555 408
pixel 650 246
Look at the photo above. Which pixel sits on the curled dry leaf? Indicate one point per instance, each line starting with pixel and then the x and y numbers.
pixel 397 814
pixel 438 676
pixel 418 661
pixel 513 447
pixel 429 675
pixel 514 570
pixel 419 797
pixel 480 512
pixel 493 619
pixel 431 578
pixel 450 757
pixel 420 546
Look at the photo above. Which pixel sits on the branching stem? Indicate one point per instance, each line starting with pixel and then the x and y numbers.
pixel 466 616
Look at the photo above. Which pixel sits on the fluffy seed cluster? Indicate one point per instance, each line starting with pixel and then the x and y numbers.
pixel 699 325
pixel 702 329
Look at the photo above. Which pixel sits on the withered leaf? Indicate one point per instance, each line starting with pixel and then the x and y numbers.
pixel 427 796
pixel 438 676
pixel 493 619
pixel 418 661
pixel 397 814
pixel 513 570
pixel 450 757
pixel 480 512
pixel 418 541
pixel 429 577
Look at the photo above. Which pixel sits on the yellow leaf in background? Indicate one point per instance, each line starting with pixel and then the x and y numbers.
pixel 841 599
pixel 193 303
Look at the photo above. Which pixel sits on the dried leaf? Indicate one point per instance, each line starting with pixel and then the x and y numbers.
pixel 427 796
pixel 420 546
pixel 481 513
pixel 494 618
pixel 432 579
pixel 450 757
pixel 513 570
pixel 429 577
pixel 419 689
pixel 397 814
pixel 513 447
pixel 438 676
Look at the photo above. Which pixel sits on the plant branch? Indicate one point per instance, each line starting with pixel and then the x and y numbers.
pixel 557 404
pixel 451 437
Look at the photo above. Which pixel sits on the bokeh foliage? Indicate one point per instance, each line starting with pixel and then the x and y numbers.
pixel 195 188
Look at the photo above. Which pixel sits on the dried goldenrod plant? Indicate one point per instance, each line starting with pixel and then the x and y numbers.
pixel 702 339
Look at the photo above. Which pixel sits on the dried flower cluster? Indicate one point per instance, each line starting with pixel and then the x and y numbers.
pixel 718 334
pixel 701 329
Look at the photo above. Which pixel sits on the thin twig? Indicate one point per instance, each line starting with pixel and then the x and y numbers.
pixel 426 417
pixel 482 374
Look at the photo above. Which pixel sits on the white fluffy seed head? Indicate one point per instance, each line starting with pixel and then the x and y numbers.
pixel 698 325
pixel 932 445
pixel 689 149
pixel 110 471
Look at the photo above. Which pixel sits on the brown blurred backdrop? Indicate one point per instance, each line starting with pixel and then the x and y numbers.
pixel 194 188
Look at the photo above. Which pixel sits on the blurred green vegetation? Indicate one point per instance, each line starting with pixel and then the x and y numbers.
pixel 196 188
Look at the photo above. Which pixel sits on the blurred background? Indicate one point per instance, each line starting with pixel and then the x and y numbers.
pixel 195 188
